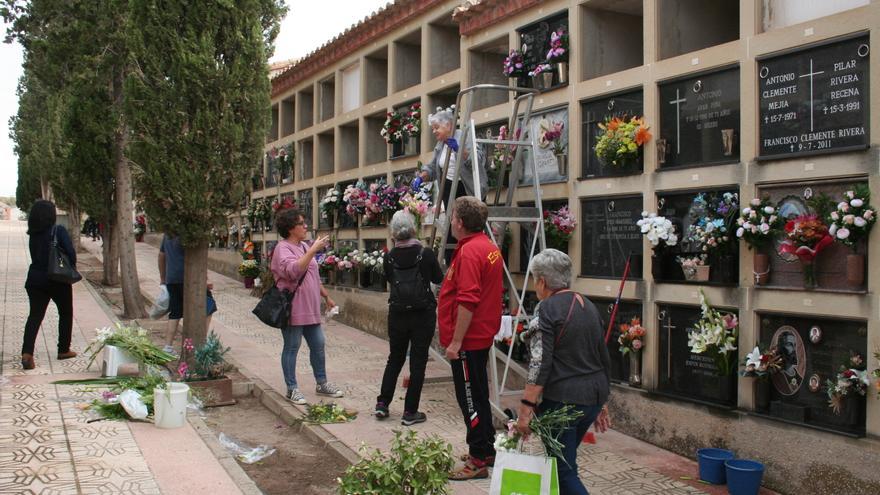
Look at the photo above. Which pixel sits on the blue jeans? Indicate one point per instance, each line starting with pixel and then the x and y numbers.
pixel 569 482
pixel 292 339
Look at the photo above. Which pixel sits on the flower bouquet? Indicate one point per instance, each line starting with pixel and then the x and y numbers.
pixel 851 381
pixel 247 250
pixel 389 198
pixel 761 364
pixel 283 204
pixel 660 231
pixel 513 65
pixel 355 198
pixel 134 340
pixel 392 129
pixel 715 334
pixel 849 225
pixel 502 156
pixel 140 227
pixel 558 227
pixel 631 335
pixel 621 140
pixel 694 267
pixel 412 121
pixel 758 224
pixel 373 262
pixel 711 231
pixel 249 269
pixel 548 426
pixel 347 260
pixel 330 204
pixel 805 237
pixel 322 413
pixel 418 203
pixel 558 53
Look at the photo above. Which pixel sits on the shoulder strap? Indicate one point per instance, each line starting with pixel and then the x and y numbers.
pixel 575 297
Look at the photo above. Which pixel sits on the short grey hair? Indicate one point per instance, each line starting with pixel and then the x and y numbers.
pixel 554 267
pixel 402 225
pixel 441 116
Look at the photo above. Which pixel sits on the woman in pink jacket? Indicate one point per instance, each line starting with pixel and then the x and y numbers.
pixel 295 269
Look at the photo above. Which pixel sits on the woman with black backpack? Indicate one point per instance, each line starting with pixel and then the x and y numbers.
pixel 412 315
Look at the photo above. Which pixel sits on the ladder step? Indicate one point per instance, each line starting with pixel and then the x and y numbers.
pixel 503 141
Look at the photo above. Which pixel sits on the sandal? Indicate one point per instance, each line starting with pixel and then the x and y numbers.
pixel 490 460
pixel 469 471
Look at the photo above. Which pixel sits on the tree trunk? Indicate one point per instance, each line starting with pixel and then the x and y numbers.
pixel 131 290
pixel 75 226
pixel 111 254
pixel 195 276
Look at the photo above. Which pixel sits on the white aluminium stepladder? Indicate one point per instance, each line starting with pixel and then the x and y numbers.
pixel 500 214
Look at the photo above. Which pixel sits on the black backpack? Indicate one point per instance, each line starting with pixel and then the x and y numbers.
pixel 409 291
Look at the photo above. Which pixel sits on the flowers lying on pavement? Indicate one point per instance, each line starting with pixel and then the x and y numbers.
pixel 322 413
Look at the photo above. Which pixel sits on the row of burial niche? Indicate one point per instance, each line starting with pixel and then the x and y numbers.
pixel 707 249
pixel 535 43
pixel 683 373
pixel 819 238
pixel 699 120
pixel 610 237
pixel 600 111
pixel 820 378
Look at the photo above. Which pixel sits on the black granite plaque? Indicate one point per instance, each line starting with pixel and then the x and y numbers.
pixel 593 113
pixel 535 39
pixel 625 313
pixel 815 100
pixel 305 203
pixel 609 234
pixel 683 373
pixel 323 222
pixel 806 362
pixel 699 119
pixel 679 208
pixel 527 233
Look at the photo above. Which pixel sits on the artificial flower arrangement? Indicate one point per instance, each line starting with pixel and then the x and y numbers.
pixel 418 203
pixel 249 268
pixel 283 204
pixel 540 69
pixel 559 227
pixel 854 217
pixel 284 156
pixel 346 261
pixel 392 129
pixel 412 120
pixel 621 140
pixel 552 136
pixel 389 197
pixel 761 364
pixel 715 334
pixel 690 264
pixel 711 232
pixel 327 261
pixel 660 231
pixel 247 250
pixel 514 64
pixel 372 261
pixel 259 210
pixel 331 203
pixel 140 225
pixel 851 380
pixel 759 223
pixel 632 336
pixel 558 52
pixel 548 427
pixel 355 198
pixel 805 237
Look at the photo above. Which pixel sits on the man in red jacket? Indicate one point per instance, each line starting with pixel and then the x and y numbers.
pixel 469 315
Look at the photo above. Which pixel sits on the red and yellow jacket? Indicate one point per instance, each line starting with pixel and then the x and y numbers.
pixel 473 280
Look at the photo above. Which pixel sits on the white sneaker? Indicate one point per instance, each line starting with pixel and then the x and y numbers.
pixel 328 389
pixel 296 397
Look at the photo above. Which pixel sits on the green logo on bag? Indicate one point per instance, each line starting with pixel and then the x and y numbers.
pixel 515 482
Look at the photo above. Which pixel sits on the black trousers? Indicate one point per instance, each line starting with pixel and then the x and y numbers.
pixel 411 330
pixel 62 296
pixel 472 391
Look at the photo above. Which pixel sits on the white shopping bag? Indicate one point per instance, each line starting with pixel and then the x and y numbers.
pixel 160 307
pixel 521 474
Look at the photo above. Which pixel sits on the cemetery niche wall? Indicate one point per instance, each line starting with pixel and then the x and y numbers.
pixel 815 99
pixel 682 373
pixel 814 351
pixel 700 120
pixel 705 223
pixel 596 111
pixel 834 266
pixel 609 235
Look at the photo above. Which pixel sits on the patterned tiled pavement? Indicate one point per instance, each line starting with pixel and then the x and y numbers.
pixel 355 361
pixel 47 445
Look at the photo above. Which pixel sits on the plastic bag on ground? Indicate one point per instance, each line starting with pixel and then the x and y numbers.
pixel 160 307
pixel 243 452
pixel 133 405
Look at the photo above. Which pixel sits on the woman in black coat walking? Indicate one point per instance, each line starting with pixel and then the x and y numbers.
pixel 40 290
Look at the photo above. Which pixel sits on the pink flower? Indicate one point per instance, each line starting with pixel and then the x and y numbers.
pixel 107 395
pixel 182 369
pixel 188 344
pixel 637 344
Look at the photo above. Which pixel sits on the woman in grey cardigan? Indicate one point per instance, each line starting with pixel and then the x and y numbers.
pixel 569 362
pixel 449 140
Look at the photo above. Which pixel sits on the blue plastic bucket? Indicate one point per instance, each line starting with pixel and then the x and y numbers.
pixel 743 476
pixel 711 462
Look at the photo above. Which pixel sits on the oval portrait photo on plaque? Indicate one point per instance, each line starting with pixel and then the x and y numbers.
pixel 794 360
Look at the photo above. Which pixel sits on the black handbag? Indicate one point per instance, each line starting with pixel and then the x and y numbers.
pixel 274 307
pixel 60 269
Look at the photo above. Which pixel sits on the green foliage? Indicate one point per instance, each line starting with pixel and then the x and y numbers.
pixel 198 106
pixel 209 361
pixel 134 340
pixel 328 413
pixel 822 205
pixel 414 466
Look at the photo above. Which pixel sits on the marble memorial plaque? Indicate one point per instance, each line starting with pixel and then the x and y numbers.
pixel 546 163
pixel 683 373
pixel 594 112
pixel 609 235
pixel 803 360
pixel 814 100
pixel 700 119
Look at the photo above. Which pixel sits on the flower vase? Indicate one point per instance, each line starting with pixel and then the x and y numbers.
pixel 562 164
pixel 635 369
pixel 761 268
pixel 411 145
pixel 809 269
pixel 139 237
pixel 536 82
pixel 248 282
pixel 547 79
pixel 514 81
pixel 855 270
pixel 562 68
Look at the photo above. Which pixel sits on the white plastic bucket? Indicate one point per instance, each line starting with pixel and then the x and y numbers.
pixel 169 406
